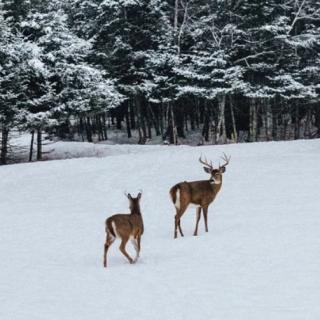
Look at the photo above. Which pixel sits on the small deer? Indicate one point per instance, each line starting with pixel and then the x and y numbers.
pixel 200 193
pixel 125 227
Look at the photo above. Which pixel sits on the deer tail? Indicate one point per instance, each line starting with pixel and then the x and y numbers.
pixel 175 195
pixel 109 227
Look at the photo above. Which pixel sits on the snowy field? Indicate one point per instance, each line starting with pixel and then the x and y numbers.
pixel 260 259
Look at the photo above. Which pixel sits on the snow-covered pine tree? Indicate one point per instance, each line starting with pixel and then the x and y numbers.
pixel 13 57
pixel 128 34
pixel 74 88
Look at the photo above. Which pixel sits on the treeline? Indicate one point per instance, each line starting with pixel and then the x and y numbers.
pixel 237 70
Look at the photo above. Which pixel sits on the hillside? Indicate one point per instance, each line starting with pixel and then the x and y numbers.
pixel 260 259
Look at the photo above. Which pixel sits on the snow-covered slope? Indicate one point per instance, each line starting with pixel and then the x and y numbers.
pixel 260 259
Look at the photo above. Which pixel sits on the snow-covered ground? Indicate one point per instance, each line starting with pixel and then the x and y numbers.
pixel 54 150
pixel 260 259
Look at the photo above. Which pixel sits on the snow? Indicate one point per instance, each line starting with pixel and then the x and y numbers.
pixel 54 150
pixel 260 259
pixel 70 150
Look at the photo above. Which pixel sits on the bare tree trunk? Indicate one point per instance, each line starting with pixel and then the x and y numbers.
pixel 31 146
pixel 99 127
pixel 317 121
pixel 197 115
pixel 4 145
pixel 206 122
pixel 104 125
pixel 285 123
pixel 296 122
pixel 253 125
pixel 143 126
pixel 128 122
pixel 89 129
pixel 284 127
pixel 308 123
pixel 140 140
pixel 132 115
pixel 275 125
pixel 269 121
pixel 174 127
pixel 179 121
pixel 162 119
pixel 149 125
pixel 39 144
pixel 154 119
pixel 221 135
pixel 119 119
pixel 141 123
pixel 182 26
pixel 233 120
pixel 81 128
pixel 175 20
pixel 192 124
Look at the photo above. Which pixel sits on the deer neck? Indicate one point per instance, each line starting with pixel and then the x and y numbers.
pixel 216 183
pixel 135 210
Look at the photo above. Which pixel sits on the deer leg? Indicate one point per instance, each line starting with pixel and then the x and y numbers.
pixel 109 241
pixel 177 223
pixel 180 230
pixel 136 248
pixel 123 249
pixel 198 219
pixel 138 242
pixel 205 215
pixel 175 226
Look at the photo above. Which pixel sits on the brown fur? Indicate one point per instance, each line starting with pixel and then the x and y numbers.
pixel 200 193
pixel 126 226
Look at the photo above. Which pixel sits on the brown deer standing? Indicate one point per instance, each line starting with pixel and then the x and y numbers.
pixel 200 193
pixel 125 227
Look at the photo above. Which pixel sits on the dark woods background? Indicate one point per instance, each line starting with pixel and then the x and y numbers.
pixel 230 71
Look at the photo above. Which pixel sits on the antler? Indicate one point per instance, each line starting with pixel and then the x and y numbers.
pixel 205 162
pixel 226 159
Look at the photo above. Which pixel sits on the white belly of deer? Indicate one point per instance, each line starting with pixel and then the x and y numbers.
pixel 193 205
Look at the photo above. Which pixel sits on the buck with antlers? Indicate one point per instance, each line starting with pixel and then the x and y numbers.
pixel 125 227
pixel 200 193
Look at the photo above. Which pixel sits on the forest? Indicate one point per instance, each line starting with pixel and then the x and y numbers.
pixel 232 70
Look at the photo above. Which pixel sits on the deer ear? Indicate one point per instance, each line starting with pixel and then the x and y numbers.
pixel 129 196
pixel 207 170
pixel 223 169
pixel 139 195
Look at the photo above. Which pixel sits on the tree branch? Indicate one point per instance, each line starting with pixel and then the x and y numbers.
pixel 254 56
pixel 296 16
